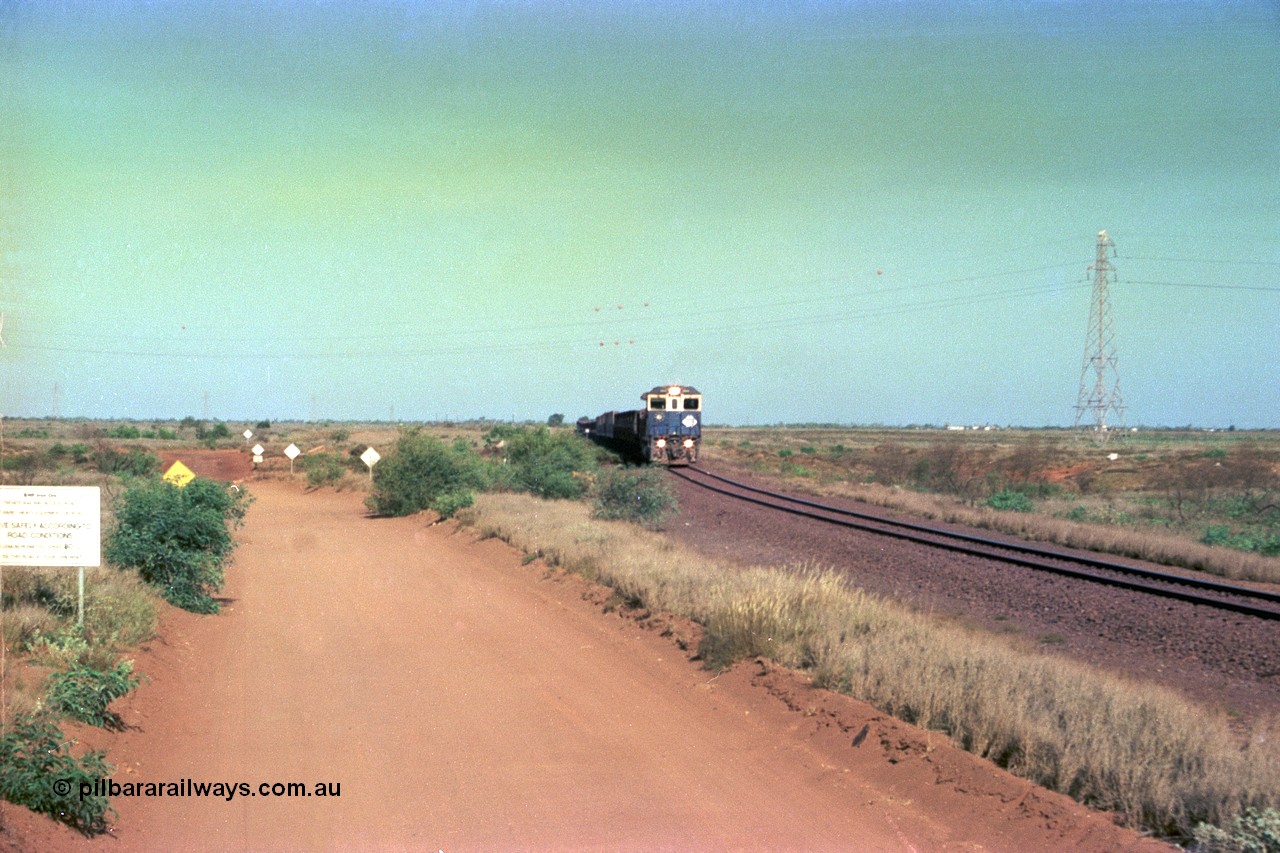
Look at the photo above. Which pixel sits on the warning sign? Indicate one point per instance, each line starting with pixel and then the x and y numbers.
pixel 179 475
pixel 50 526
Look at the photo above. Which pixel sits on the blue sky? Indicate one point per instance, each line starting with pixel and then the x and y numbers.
pixel 850 212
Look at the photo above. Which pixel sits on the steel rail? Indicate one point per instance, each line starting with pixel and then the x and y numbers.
pixel 967 543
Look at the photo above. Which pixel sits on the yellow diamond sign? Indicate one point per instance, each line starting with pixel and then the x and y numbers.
pixel 179 475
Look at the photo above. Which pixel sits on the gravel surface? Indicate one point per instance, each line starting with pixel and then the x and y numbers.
pixel 1223 660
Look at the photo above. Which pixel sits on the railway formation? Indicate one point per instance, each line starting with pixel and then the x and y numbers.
pixel 1256 603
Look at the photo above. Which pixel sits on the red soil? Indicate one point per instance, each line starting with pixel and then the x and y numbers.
pixel 229 466
pixel 465 701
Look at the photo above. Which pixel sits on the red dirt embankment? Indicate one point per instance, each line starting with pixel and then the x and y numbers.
pixel 465 701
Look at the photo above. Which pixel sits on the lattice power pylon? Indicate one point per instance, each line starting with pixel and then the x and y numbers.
pixel 1099 405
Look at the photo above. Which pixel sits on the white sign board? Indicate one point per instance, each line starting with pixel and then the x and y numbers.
pixel 248 434
pixel 50 526
pixel 292 452
pixel 370 457
pixel 258 450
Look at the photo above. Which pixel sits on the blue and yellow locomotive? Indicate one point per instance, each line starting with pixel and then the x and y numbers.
pixel 668 430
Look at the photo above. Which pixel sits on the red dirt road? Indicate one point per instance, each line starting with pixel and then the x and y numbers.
pixel 465 701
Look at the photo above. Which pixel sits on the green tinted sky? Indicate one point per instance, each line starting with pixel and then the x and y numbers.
pixel 827 211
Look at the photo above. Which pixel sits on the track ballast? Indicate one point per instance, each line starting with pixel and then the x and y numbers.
pixel 1243 600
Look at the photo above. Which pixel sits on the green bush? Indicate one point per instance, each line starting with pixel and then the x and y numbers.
pixel 1253 831
pixel 1009 499
pixel 450 502
pixel 643 496
pixel 177 538
pixel 37 770
pixel 84 692
pixel 544 463
pixel 133 462
pixel 422 472
pixel 322 469
pixel 1261 542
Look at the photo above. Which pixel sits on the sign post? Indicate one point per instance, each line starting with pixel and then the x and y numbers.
pixel 293 453
pixel 52 526
pixel 370 457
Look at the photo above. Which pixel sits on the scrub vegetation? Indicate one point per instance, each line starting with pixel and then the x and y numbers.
pixel 1202 500
pixel 177 538
pixel 1184 497
pixel 160 541
pixel 425 472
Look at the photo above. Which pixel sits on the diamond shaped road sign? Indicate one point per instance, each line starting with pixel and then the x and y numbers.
pixel 370 457
pixel 179 475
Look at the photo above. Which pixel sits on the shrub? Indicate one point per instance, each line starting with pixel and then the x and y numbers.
pixel 322 469
pixel 643 496
pixel 84 693
pixel 177 538
pixel 1267 544
pixel 1252 831
pixel 1010 499
pixel 133 462
pixel 545 463
pixel 449 503
pixel 24 466
pixel 211 434
pixel 422 472
pixel 33 757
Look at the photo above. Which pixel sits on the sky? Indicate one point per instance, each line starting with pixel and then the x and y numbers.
pixel 860 212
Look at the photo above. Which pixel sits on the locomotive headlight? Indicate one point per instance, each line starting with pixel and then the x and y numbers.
pixel 661 443
pixel 673 391
pixel 688 443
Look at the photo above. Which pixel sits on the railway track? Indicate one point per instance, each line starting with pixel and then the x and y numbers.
pixel 1243 600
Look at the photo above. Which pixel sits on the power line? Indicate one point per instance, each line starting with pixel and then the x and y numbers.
pixel 1215 261
pixel 689 307
pixel 1207 286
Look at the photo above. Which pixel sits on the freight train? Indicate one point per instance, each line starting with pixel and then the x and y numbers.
pixel 667 431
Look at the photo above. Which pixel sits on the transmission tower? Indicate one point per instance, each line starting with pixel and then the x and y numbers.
pixel 1099 377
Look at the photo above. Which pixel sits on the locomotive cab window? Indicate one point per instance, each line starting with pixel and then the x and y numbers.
pixel 657 404
pixel 691 404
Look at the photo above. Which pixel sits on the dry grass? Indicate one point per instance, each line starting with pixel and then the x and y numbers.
pixel 1151 544
pixel 1124 506
pixel 1162 762
pixel 38 621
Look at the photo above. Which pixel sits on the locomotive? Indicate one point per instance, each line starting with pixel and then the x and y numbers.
pixel 667 431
